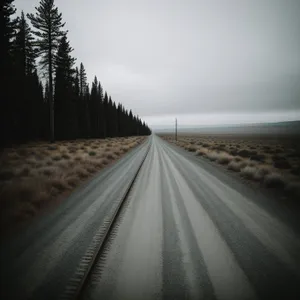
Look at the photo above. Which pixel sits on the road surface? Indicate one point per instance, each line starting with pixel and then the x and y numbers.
pixel 188 231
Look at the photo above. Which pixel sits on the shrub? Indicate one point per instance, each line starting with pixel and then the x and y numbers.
pixel 224 158
pixel 213 156
pixel 258 157
pixel 274 180
pixel 98 163
pixel 117 152
pixel 110 156
pixel 233 152
pixel 244 153
pixel 49 163
pixel 234 166
pixel 92 153
pixel 31 161
pixel 72 149
pixel 81 172
pixel 265 169
pixel 78 158
pixel 48 171
pixel 237 158
pixel 190 148
pixel 56 158
pixel 91 169
pixel 266 148
pixel 72 181
pixel 52 147
pixel 105 161
pixel 124 149
pixel 251 163
pixel 66 156
pixel 59 183
pixel 248 172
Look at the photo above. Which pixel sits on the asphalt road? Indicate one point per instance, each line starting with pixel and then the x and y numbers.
pixel 188 231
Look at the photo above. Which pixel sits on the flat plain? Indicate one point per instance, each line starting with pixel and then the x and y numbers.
pixel 270 160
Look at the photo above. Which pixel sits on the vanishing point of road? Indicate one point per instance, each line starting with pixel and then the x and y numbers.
pixel 158 224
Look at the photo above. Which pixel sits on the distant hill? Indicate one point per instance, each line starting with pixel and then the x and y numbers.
pixel 289 127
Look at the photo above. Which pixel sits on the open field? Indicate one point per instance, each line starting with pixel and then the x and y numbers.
pixel 35 175
pixel 272 161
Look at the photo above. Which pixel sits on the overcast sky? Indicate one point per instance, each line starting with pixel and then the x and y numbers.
pixel 206 62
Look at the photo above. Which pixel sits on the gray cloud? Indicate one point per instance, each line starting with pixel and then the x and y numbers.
pixel 165 57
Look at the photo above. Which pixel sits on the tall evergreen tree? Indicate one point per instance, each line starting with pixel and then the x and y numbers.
pixel 27 98
pixel 7 33
pixel 7 30
pixel 84 98
pixel 76 83
pixel 82 80
pixel 100 109
pixel 105 116
pixel 24 52
pixel 64 106
pixel 94 112
pixel 48 25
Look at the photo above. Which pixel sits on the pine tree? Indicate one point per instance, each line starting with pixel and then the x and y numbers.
pixel 7 75
pixel 84 98
pixel 7 30
pixel 87 113
pixel 24 53
pixel 82 80
pixel 27 100
pixel 105 116
pixel 100 109
pixel 48 24
pixel 94 112
pixel 78 104
pixel 76 83
pixel 64 107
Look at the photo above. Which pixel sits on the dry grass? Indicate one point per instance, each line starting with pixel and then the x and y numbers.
pixel 271 161
pixel 34 175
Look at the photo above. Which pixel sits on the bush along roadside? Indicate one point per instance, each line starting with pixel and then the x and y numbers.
pixel 257 163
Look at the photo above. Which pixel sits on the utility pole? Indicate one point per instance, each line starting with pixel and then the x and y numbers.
pixel 176 129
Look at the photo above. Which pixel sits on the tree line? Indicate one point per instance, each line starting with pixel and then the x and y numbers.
pixel 63 106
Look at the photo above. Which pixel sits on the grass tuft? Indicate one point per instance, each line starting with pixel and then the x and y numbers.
pixel 92 153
